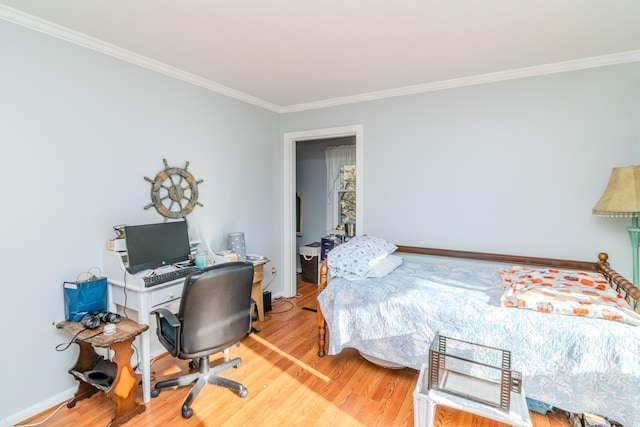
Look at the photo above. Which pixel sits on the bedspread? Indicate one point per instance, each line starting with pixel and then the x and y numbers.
pixel 574 363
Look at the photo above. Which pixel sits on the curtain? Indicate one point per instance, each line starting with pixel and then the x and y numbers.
pixel 336 158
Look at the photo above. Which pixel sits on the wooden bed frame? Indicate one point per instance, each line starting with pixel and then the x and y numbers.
pixel 624 287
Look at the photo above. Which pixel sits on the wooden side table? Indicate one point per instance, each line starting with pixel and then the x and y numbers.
pixel 121 387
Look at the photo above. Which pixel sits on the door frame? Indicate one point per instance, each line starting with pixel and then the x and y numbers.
pixel 290 139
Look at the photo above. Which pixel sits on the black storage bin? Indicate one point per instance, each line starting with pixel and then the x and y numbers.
pixel 309 258
pixel 328 243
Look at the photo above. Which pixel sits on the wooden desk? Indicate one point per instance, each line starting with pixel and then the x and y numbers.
pixel 121 390
pixel 256 289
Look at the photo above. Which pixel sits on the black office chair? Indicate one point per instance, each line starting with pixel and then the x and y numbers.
pixel 214 314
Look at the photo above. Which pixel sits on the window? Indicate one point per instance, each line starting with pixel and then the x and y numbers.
pixel 341 185
pixel 347 194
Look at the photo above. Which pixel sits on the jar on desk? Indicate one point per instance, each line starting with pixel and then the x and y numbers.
pixel 202 259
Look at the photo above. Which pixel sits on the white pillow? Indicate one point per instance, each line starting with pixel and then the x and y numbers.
pixel 358 255
pixel 379 268
pixel 385 266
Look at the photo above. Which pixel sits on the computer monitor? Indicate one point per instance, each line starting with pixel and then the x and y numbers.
pixel 151 246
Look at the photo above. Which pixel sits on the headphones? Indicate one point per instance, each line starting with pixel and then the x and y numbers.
pixel 93 320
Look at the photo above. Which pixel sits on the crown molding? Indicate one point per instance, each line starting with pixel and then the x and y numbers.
pixel 63 33
pixel 558 67
pixel 58 31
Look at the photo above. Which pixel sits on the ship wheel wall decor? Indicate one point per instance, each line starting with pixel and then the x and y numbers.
pixel 174 192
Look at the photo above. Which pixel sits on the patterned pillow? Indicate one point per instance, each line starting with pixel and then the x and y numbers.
pixel 570 292
pixel 358 255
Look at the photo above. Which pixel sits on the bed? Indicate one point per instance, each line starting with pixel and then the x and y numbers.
pixel 573 362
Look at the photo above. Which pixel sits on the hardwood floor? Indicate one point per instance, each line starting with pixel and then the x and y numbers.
pixel 289 385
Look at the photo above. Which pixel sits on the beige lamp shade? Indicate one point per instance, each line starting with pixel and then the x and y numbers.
pixel 622 196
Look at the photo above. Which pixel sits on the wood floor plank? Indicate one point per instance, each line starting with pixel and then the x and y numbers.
pixel 288 385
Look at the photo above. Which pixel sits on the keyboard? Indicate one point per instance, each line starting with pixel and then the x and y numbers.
pixel 157 279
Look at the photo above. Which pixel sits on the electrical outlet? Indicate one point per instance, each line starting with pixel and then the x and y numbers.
pixel 273 270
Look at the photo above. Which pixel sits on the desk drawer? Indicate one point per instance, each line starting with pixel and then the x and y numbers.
pixel 165 295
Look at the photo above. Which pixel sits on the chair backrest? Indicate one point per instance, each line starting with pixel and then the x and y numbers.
pixel 215 309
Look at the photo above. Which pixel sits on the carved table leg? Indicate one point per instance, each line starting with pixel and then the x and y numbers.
pixel 87 359
pixel 122 392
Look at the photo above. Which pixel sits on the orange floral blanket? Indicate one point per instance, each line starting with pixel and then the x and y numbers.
pixel 569 292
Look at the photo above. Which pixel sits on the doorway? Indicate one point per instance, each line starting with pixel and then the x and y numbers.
pixel 290 139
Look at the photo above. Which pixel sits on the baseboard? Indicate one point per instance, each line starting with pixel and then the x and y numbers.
pixel 40 407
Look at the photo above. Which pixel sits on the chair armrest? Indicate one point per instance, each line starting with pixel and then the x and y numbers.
pixel 170 317
pixel 168 330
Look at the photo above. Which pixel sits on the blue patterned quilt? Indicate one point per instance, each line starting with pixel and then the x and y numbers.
pixel 574 363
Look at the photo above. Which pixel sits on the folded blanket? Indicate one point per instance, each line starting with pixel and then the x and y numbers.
pixel 569 292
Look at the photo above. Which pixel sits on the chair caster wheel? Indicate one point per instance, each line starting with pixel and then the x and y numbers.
pixel 186 412
pixel 244 392
pixel 155 392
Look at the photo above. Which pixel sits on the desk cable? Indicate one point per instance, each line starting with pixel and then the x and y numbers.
pixel 49 416
pixel 266 287
pixel 124 311
pixel 124 291
pixel 68 344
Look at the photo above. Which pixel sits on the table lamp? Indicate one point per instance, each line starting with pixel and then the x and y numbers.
pixel 622 199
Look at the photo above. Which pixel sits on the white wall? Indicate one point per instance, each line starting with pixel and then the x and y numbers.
pixel 507 167
pixel 80 131
pixel 511 167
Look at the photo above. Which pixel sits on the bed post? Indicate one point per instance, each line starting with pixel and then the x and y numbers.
pixel 629 292
pixel 322 324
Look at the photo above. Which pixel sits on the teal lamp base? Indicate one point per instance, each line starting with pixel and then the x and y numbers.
pixel 634 234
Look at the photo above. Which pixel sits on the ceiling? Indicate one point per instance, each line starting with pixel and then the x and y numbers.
pixel 297 54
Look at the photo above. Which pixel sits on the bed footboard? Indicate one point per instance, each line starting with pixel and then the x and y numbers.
pixel 621 285
pixel 624 287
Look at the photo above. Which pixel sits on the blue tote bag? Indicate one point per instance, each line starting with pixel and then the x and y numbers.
pixel 84 296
